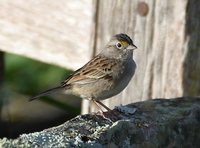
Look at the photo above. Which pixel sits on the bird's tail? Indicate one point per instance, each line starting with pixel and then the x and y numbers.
pixel 47 92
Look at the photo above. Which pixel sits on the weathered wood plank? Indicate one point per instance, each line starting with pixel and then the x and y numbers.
pixel 56 32
pixel 158 30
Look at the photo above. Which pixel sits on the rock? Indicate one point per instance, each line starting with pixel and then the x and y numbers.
pixel 152 123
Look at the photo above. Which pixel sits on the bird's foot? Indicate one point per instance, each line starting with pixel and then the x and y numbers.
pixel 111 115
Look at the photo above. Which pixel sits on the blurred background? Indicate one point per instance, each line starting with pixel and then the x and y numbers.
pixel 42 42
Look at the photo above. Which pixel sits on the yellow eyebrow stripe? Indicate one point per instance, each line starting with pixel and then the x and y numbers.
pixel 124 43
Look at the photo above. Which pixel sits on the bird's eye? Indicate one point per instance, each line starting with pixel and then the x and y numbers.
pixel 119 45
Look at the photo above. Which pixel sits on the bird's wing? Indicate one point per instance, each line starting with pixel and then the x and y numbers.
pixel 94 70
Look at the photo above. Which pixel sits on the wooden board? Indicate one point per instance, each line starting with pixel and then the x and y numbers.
pixel 158 30
pixel 56 32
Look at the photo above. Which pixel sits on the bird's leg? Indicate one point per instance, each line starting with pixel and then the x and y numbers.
pixel 113 112
pixel 110 115
pixel 103 105
pixel 101 110
pixel 99 102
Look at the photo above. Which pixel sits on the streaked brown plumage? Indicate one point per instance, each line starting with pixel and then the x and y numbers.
pixel 106 75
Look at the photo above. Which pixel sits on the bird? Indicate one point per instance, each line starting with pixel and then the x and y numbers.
pixel 104 76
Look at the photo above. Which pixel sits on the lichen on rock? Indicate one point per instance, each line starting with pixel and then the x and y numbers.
pixel 152 123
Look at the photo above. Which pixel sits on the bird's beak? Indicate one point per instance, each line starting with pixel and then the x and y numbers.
pixel 132 47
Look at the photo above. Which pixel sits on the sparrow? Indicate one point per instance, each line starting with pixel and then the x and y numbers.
pixel 104 76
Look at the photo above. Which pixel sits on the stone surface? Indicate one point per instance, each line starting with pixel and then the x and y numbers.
pixel 153 123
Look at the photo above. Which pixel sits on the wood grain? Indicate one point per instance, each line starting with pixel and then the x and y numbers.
pixel 162 44
pixel 65 33
pixel 56 32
